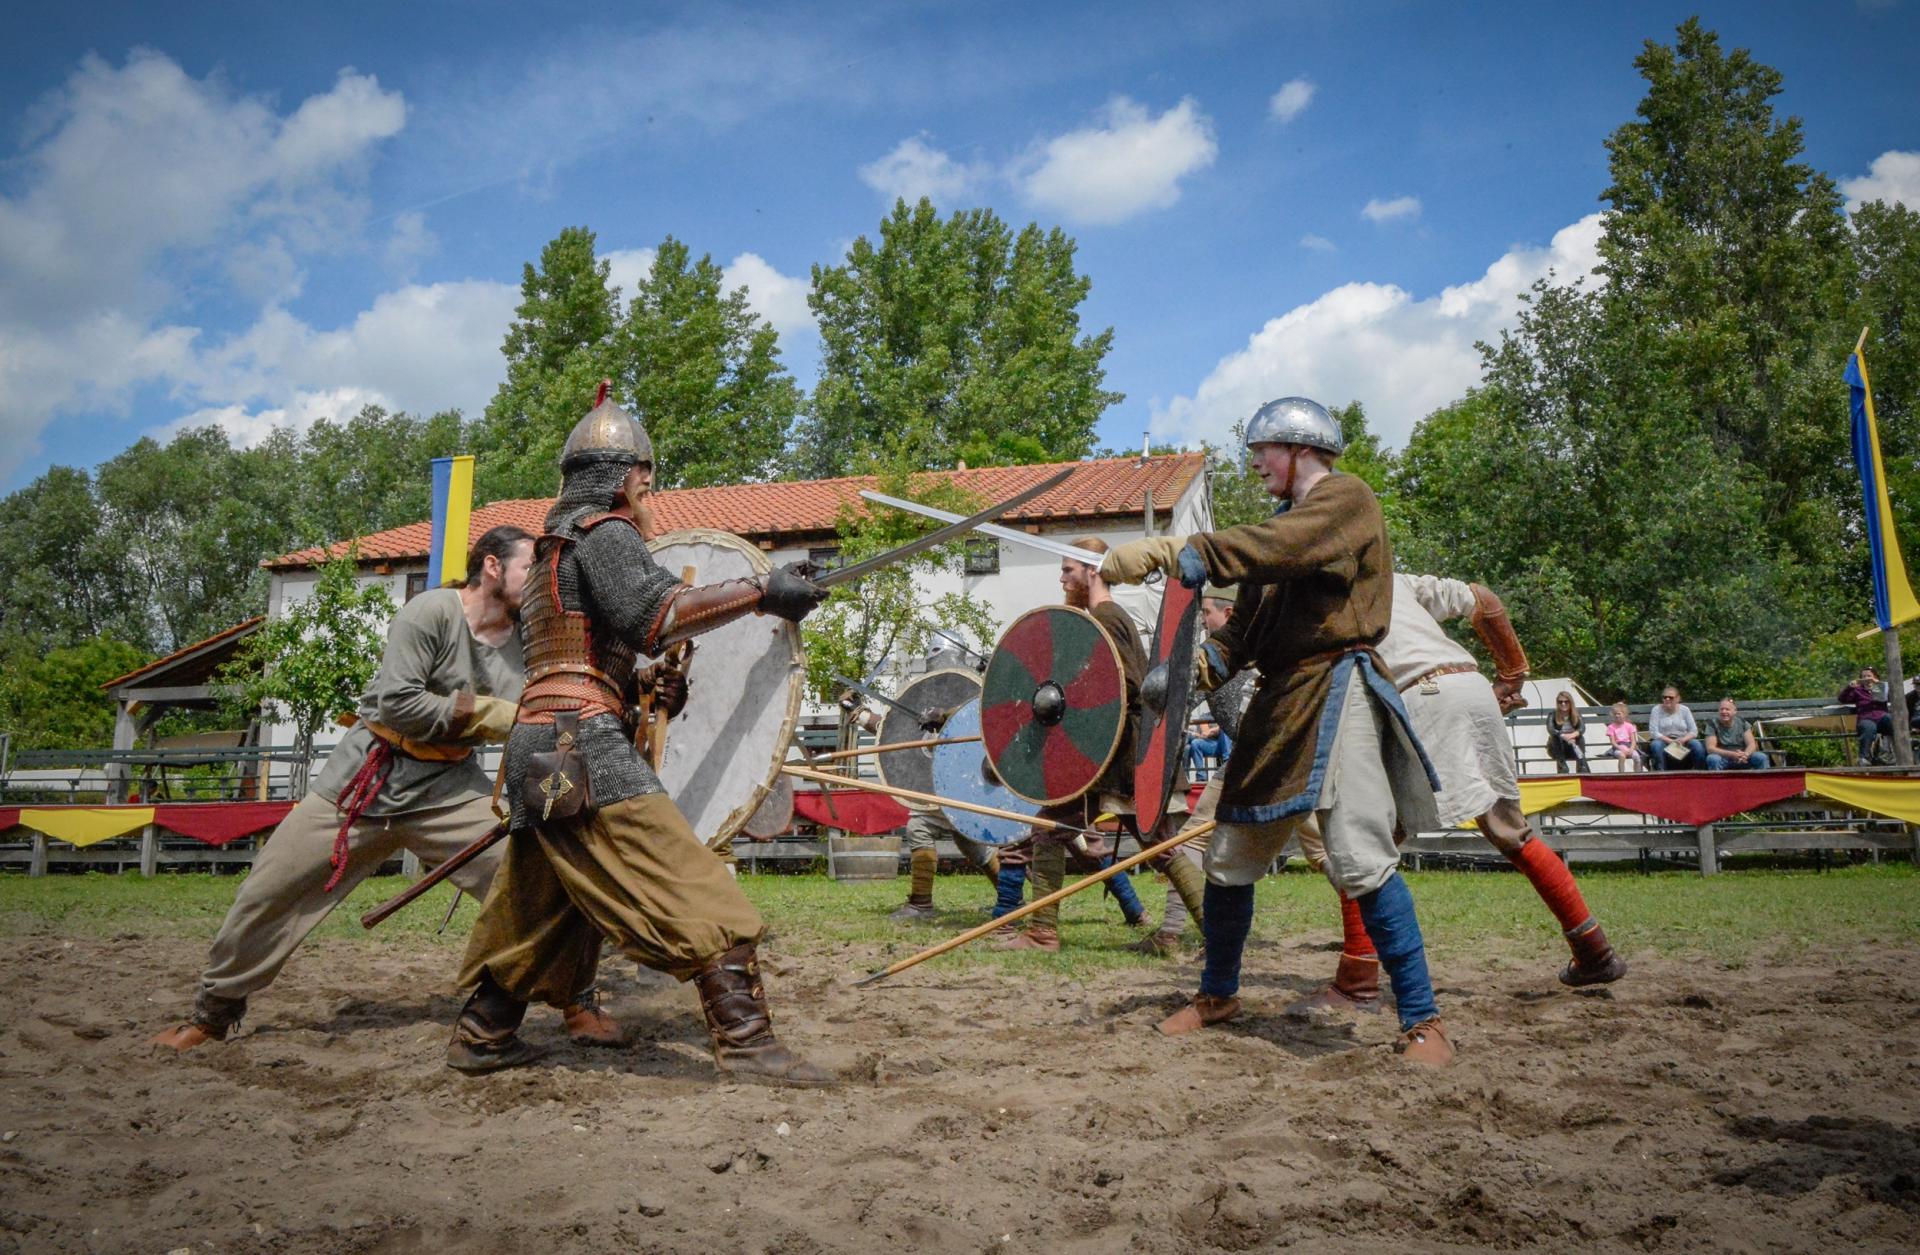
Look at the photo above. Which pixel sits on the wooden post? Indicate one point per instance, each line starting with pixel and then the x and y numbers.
pixel 37 862
pixel 1897 700
pixel 1709 850
pixel 409 864
pixel 149 850
pixel 125 732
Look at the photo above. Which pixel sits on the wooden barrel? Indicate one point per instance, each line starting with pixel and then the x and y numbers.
pixel 864 858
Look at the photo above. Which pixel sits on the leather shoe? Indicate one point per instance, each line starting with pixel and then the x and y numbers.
pixel 1426 1043
pixel 589 1025
pixel 1203 1011
pixel 183 1037
pixel 1035 937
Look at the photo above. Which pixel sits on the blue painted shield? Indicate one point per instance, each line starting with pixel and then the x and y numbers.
pixel 961 772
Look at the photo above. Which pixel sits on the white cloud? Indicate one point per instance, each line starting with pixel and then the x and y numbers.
pixel 139 188
pixel 248 428
pixel 1375 343
pixel 1318 244
pixel 627 268
pixel 1894 177
pixel 1377 210
pixel 1292 99
pixel 1129 163
pixel 780 299
pixel 913 170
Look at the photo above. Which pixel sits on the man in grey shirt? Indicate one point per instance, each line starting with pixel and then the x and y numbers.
pixel 404 777
pixel 1671 725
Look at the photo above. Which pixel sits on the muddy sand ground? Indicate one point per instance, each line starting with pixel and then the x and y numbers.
pixel 1694 1106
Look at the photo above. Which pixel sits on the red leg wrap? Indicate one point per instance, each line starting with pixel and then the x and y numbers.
pixel 1554 883
pixel 1356 941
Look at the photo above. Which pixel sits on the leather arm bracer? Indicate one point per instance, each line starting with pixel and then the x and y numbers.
pixel 1495 630
pixel 690 610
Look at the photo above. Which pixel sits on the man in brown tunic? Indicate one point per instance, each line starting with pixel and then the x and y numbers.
pixel 1325 733
pixel 598 849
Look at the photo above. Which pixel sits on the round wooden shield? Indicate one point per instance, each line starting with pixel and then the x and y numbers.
pixel 933 696
pixel 744 688
pixel 1053 704
pixel 961 772
pixel 774 815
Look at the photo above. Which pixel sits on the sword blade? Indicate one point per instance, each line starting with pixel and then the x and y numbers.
pixel 868 691
pixel 1058 548
pixel 956 527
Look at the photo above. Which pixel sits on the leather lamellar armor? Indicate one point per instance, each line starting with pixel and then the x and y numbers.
pixel 570 667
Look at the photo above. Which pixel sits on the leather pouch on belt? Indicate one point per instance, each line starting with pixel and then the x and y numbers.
pixel 556 785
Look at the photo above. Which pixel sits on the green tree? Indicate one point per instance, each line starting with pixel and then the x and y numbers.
pixel 63 578
pixel 558 348
pixel 192 520
pixel 1886 249
pixel 52 699
pixel 948 336
pixel 704 370
pixel 312 662
pixel 370 472
pixel 889 614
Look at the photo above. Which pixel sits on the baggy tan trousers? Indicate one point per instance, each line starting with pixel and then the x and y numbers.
pixel 284 897
pixel 632 871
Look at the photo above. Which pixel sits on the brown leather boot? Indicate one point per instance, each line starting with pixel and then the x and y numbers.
pixel 1204 1010
pixel 1426 1043
pixel 486 1037
pixel 588 1023
pixel 1355 987
pixel 1160 943
pixel 1035 937
pixel 1594 962
pixel 741 1026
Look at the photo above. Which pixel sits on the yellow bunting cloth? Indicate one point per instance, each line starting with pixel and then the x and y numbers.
pixel 1896 798
pixel 1540 795
pixel 85 825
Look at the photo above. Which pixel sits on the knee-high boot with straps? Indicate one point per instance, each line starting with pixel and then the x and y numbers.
pixel 741 1026
pixel 486 1037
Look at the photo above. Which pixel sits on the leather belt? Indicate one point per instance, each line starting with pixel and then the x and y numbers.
pixel 1452 668
pixel 420 751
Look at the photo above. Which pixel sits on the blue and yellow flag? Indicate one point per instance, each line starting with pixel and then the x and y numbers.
pixel 1893 600
pixel 452 507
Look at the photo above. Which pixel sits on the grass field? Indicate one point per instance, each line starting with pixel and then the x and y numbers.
pixel 1727 918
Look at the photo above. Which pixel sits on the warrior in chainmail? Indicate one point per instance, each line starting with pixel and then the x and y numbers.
pixel 597 848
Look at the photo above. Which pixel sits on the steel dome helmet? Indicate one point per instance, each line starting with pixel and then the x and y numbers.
pixel 1295 420
pixel 607 434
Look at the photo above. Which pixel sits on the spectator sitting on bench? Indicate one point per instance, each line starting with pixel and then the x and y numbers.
pixel 1563 736
pixel 1868 697
pixel 1209 740
pixel 1669 726
pixel 1730 744
pixel 1623 738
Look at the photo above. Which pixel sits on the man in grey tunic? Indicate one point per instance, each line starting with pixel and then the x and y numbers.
pixel 403 777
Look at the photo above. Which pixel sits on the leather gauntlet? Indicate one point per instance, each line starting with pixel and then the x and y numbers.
pixel 1490 622
pixel 688 612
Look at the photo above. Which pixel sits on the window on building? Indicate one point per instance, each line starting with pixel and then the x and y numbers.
pixel 826 559
pixel 983 556
pixel 416 584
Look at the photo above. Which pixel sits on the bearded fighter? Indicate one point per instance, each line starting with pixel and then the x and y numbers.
pixel 403 777
pixel 1325 734
pixel 1457 714
pixel 598 849
pixel 1084 589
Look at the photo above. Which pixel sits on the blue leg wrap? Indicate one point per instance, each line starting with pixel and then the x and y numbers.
pixel 1395 930
pixel 1228 910
pixel 1121 887
pixel 1013 884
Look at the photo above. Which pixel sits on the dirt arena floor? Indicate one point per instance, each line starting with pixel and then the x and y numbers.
pixel 1695 1106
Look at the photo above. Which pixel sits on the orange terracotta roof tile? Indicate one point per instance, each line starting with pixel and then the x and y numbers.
pixel 794 509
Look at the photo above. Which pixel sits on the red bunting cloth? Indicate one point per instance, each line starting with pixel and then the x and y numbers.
pixel 1694 797
pixel 9 817
pixel 217 823
pixel 868 814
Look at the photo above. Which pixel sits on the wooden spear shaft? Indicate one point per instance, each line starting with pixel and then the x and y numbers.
pixel 1058 895
pixel 858 750
pixel 931 799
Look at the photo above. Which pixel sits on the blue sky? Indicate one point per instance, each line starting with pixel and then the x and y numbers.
pixel 260 214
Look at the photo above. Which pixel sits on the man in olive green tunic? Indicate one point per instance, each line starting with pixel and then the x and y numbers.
pixel 1325 734
pixel 402 778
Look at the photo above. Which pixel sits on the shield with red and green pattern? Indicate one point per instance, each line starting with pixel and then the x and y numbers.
pixel 1053 704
